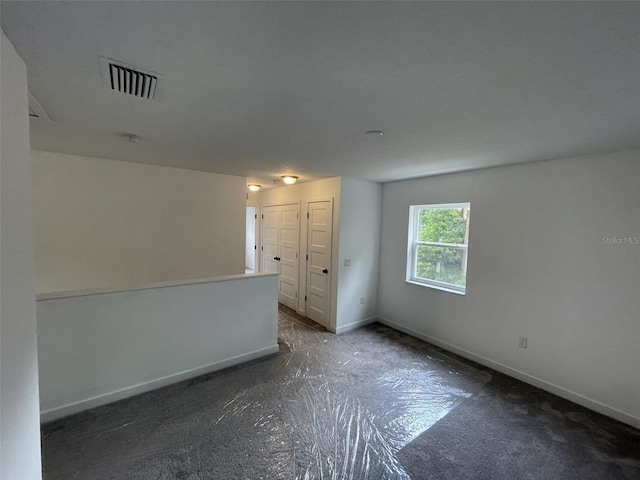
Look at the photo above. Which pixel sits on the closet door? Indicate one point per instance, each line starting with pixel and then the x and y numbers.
pixel 281 247
pixel 319 236
pixel 289 248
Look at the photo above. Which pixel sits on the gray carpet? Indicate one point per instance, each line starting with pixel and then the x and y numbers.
pixel 514 431
pixel 373 403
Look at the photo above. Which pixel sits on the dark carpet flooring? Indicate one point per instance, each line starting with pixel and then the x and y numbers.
pixel 370 404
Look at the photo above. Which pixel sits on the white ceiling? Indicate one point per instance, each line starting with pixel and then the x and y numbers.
pixel 267 88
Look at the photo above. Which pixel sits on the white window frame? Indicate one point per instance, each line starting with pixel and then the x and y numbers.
pixel 412 248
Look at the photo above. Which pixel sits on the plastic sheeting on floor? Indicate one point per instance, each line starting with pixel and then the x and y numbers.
pixel 325 407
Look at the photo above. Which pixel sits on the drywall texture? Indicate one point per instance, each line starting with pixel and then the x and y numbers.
pixel 554 255
pixel 19 410
pixel 104 223
pixel 359 240
pixel 98 348
pixel 301 193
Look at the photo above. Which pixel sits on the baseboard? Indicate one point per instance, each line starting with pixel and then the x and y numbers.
pixel 76 407
pixel 354 325
pixel 587 402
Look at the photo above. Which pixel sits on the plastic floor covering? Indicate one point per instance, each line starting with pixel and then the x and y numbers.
pixel 324 407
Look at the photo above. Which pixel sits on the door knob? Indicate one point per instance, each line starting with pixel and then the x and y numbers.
pixel 325 271
pixel 275 258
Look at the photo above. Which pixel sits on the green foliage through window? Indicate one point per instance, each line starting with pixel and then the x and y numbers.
pixel 440 244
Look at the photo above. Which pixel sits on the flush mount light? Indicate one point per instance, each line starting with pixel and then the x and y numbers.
pixel 254 187
pixel 289 179
pixel 374 132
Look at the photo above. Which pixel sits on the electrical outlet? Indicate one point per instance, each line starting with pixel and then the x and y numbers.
pixel 522 342
pixel 361 300
pixel 347 262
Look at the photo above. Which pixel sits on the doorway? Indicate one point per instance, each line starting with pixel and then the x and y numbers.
pixel 251 246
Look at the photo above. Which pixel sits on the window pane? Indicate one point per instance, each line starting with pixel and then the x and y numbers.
pixel 442 225
pixel 442 264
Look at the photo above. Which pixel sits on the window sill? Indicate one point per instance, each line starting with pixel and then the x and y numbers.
pixel 437 287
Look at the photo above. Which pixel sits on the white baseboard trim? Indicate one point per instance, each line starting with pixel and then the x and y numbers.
pixel 354 325
pixel 587 402
pixel 69 409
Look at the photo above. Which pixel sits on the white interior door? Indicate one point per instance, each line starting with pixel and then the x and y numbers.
pixel 319 234
pixel 280 249
pixel 288 254
pixel 270 239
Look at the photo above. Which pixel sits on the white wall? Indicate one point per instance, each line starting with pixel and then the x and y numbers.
pixel 98 348
pixel 19 411
pixel 301 193
pixel 538 267
pixel 359 240
pixel 105 223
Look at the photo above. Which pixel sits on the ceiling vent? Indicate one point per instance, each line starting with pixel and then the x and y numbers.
pixel 128 79
pixel 36 110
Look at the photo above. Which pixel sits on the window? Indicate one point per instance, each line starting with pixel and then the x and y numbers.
pixel 438 246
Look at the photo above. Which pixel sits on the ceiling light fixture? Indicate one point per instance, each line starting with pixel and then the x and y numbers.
pixel 289 179
pixel 374 132
pixel 254 187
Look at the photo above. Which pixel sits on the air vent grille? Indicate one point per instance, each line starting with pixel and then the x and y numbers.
pixel 131 80
pixel 36 110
